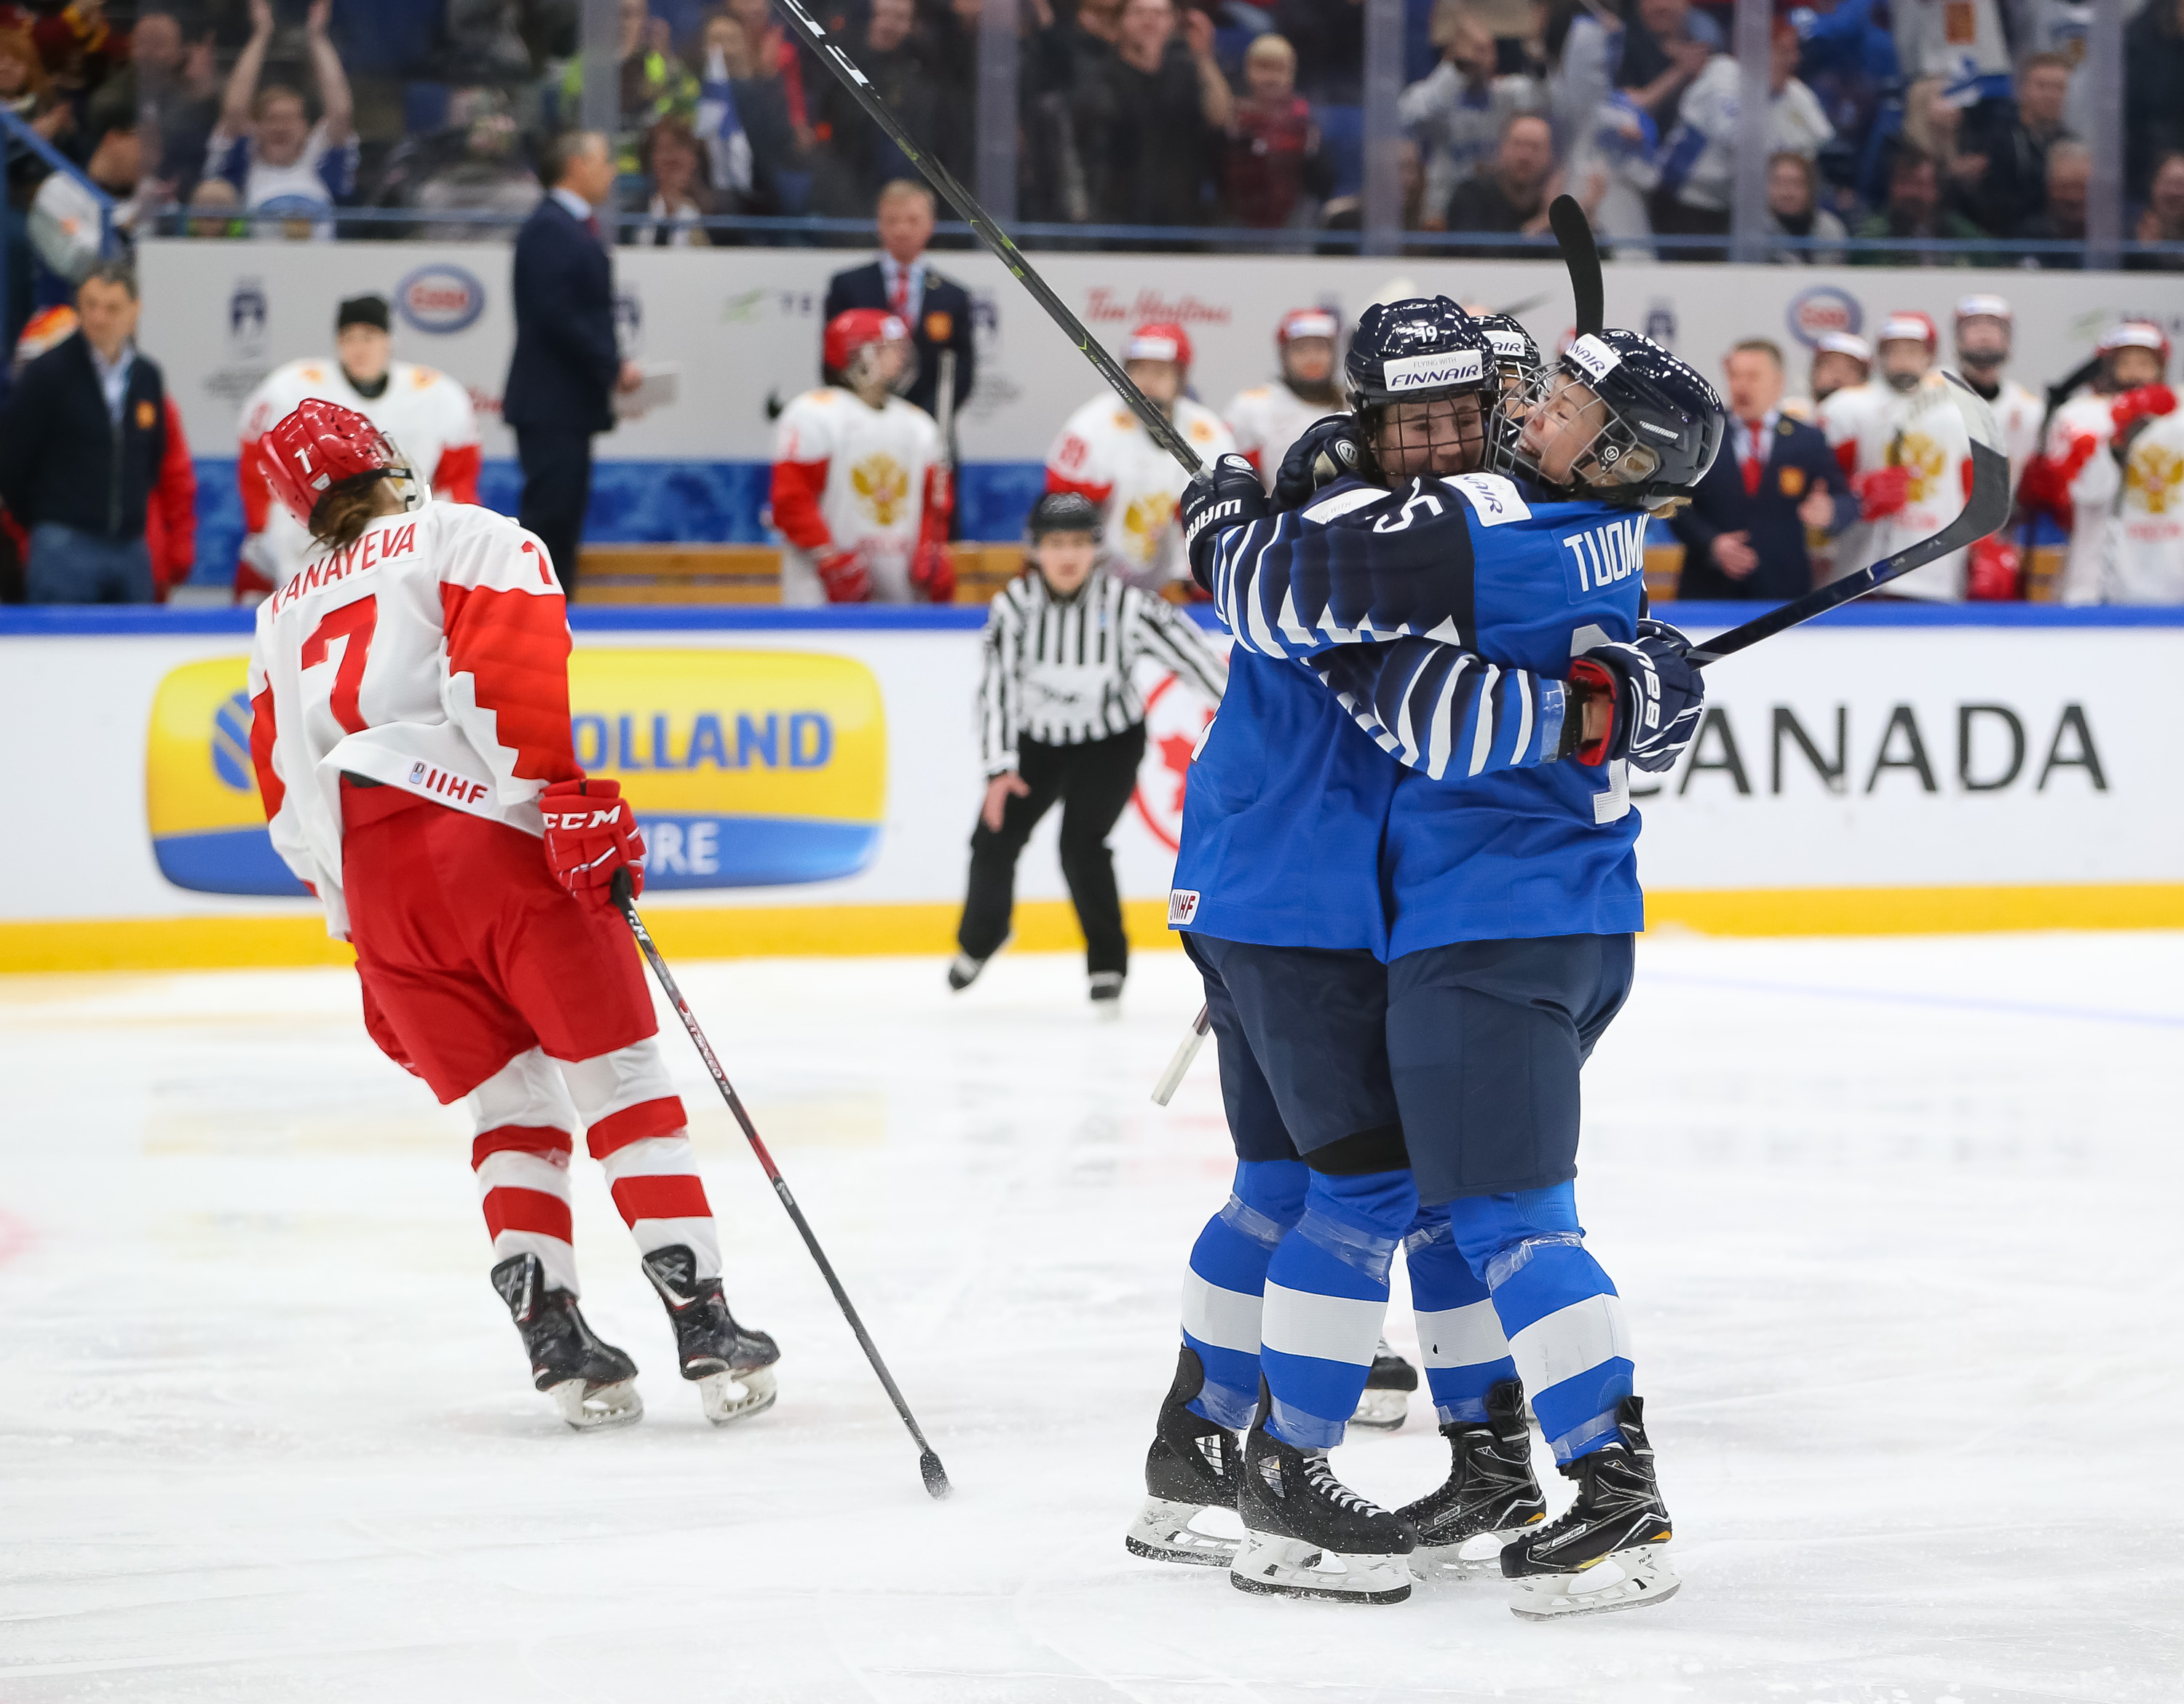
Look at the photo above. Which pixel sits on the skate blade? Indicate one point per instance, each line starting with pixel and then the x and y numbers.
pixel 1275 1566
pixel 1473 1558
pixel 1384 1411
pixel 1162 1532
pixel 599 1408
pixel 1640 1576
pixel 732 1397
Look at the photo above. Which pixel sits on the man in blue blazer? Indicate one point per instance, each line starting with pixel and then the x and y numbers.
pixel 566 368
pixel 1744 534
pixel 937 309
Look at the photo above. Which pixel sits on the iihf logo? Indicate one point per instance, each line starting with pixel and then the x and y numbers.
pixel 417 774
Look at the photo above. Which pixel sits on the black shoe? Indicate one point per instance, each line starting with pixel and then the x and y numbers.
pixel 1193 1466
pixel 1386 1403
pixel 727 1362
pixel 1299 1518
pixel 1106 990
pixel 593 1383
pixel 1490 1492
pixel 1617 1517
pixel 965 971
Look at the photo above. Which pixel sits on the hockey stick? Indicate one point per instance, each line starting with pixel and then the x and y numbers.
pixel 1581 255
pixel 1986 506
pixel 831 55
pixel 1186 1050
pixel 928 1463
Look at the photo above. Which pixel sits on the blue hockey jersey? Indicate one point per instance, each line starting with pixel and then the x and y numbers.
pixel 1441 616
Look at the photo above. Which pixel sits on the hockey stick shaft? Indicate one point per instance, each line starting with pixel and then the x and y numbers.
pixel 1581 255
pixel 929 1461
pixel 1003 247
pixel 1186 1051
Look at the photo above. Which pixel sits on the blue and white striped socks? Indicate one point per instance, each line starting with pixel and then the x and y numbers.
pixel 1222 1291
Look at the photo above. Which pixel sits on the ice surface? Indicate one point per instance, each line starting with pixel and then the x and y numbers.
pixel 1896 1221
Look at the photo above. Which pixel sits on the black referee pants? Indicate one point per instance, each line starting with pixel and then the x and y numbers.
pixel 1094 781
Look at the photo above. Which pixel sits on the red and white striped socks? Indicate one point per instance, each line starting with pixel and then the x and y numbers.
pixel 633 1121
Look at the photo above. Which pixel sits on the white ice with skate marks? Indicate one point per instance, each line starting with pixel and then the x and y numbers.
pixel 1896 1224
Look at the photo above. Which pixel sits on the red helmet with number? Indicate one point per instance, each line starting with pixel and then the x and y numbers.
pixel 1159 340
pixel 858 329
pixel 319 445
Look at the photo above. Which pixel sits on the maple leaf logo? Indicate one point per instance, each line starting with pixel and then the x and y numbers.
pixel 1175 752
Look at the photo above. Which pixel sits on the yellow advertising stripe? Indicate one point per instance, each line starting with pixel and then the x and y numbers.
pixel 220 942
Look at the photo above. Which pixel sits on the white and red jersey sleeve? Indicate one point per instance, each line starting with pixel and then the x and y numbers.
pixel 2017 413
pixel 1265 420
pixel 2127 546
pixel 1921 431
pixel 431 654
pixel 429 418
pixel 1106 455
pixel 847 475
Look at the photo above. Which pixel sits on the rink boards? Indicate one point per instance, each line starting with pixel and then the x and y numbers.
pixel 809 782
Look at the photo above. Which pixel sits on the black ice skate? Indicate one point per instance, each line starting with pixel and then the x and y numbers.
pixel 1190 1473
pixel 1386 1403
pixel 1308 1534
pixel 1617 1519
pixel 593 1383
pixel 964 971
pixel 731 1364
pixel 1491 1495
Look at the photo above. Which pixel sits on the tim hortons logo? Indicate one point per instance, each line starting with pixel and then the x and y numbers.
pixel 1110 305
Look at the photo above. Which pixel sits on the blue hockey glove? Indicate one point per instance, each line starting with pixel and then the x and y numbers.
pixel 1327 451
pixel 1656 697
pixel 1224 495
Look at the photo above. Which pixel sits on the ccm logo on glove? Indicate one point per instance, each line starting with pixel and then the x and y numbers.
pixel 591 835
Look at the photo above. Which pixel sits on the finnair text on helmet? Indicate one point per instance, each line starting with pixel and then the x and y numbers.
pixel 1594 358
pixel 1434 372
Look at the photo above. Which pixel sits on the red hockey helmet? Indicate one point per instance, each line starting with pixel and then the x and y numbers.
pixel 319 444
pixel 1909 326
pixel 1307 322
pixel 858 329
pixel 2137 334
pixel 1159 340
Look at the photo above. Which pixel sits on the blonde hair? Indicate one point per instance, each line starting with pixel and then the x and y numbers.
pixel 1271 46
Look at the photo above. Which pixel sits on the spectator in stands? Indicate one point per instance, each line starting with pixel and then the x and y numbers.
pixel 214 205
pixel 482 42
pixel 170 89
pixel 2063 220
pixel 653 85
pixel 937 309
pixel 1962 41
pixel 265 144
pixel 1512 194
pixel 2163 220
pixel 674 167
pixel 2154 87
pixel 1150 116
pixel 1665 45
pixel 776 60
pixel 1329 39
pixel 81 448
pixel 1776 479
pixel 475 165
pixel 1848 60
pixel 1793 209
pixel 1274 174
pixel 1347 212
pixel 1913 217
pixel 27 92
pixel 1456 114
pixel 1934 124
pixel 1698 165
pixel 66 228
pixel 2014 140
pixel 747 118
pixel 855 157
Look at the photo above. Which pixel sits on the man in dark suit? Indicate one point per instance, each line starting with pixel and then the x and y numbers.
pixel 566 370
pixel 937 309
pixel 1744 534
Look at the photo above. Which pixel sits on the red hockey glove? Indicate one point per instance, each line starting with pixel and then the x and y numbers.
pixel 2137 405
pixel 933 572
pixel 590 834
pixel 1883 493
pixel 1993 572
pixel 845 577
pixel 1588 680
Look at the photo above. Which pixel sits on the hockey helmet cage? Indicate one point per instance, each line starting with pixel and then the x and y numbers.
pixel 1657 425
pixel 1158 340
pixel 1063 511
pixel 320 445
pixel 850 333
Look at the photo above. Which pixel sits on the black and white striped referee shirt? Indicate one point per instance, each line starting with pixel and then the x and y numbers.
pixel 1058 669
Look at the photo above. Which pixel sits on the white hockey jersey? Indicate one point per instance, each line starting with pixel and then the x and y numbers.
pixel 1922 430
pixel 1840 416
pixel 2128 544
pixel 1266 420
pixel 848 476
pixel 1105 454
pixel 1960 41
pixel 431 655
pixel 427 413
pixel 2017 413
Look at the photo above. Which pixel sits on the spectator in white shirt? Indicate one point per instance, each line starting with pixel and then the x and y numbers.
pixel 1456 114
pixel 1698 160
pixel 266 145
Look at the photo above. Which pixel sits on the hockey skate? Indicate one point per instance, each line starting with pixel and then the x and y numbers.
pixel 963 970
pixel 1490 1497
pixel 1602 1554
pixel 1308 1534
pixel 731 1364
pixel 1190 1475
pixel 1386 1403
pixel 593 1383
pixel 1105 988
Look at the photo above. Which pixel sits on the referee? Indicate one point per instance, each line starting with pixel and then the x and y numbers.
pixel 1059 718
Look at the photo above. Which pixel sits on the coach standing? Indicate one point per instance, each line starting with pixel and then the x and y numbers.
pixel 562 378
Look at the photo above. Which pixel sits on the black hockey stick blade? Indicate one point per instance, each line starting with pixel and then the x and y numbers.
pixel 928 1463
pixel 830 54
pixel 1573 234
pixel 1986 509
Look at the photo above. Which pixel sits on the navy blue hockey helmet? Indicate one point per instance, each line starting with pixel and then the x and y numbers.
pixel 1418 350
pixel 1514 351
pixel 1621 420
pixel 1062 511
